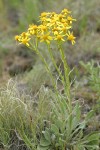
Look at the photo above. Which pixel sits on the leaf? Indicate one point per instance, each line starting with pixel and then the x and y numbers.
pixel 53 137
pixel 92 136
pixel 82 125
pixel 59 123
pixel 89 115
pixel 63 107
pixel 92 147
pixel 44 142
pixel 61 141
pixel 46 135
pixel 76 118
pixel 42 148
pixel 91 139
pixel 55 129
pixel 78 147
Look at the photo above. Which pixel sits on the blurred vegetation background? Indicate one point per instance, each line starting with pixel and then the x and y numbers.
pixel 16 15
pixel 25 76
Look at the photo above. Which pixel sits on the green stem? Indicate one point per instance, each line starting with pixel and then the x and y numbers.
pixel 66 74
pixel 46 65
pixel 67 87
pixel 55 65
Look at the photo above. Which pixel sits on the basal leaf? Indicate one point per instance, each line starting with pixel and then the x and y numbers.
pixel 55 129
pixel 44 142
pixel 46 135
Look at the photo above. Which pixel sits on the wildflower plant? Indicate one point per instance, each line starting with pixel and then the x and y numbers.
pixel 53 28
pixel 64 128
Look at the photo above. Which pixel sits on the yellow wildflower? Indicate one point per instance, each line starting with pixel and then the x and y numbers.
pixel 71 37
pixel 59 38
pixel 53 14
pixel 32 26
pixel 25 41
pixel 43 19
pixel 17 38
pixel 33 29
pixel 46 38
pixel 24 35
pixel 63 29
pixel 44 14
pixel 63 20
pixel 53 22
pixel 60 16
pixel 70 19
pixel 65 24
pixel 66 11
pixel 53 27
pixel 43 28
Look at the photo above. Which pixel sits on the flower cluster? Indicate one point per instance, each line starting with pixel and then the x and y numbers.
pixel 52 26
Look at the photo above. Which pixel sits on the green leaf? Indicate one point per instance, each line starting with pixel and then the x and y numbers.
pixel 54 129
pixel 76 117
pixel 61 141
pixel 82 125
pixel 44 142
pixel 42 148
pixel 63 107
pixel 92 136
pixel 89 115
pixel 91 139
pixel 78 147
pixel 59 123
pixel 53 137
pixel 46 135
pixel 92 147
